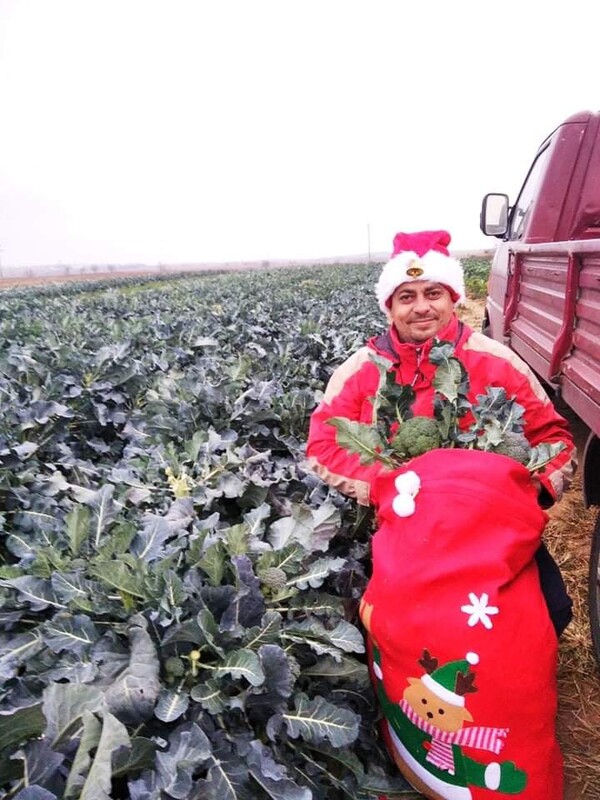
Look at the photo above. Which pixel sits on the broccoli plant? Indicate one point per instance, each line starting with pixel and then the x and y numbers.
pixel 516 446
pixel 416 436
pixel 493 423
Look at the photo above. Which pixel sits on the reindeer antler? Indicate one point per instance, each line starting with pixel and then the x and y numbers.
pixel 428 662
pixel 464 683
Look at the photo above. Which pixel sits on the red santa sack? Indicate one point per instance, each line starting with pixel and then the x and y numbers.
pixel 462 649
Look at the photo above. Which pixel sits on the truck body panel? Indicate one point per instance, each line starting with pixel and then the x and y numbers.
pixel 552 319
pixel 544 286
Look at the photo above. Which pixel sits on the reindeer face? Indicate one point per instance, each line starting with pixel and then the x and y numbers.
pixel 432 709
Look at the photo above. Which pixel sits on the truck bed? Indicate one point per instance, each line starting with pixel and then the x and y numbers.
pixel 552 319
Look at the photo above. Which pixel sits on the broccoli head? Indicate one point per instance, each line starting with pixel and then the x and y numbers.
pixel 416 436
pixel 514 445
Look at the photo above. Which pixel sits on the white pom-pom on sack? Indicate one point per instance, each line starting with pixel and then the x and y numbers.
pixel 408 483
pixel 403 505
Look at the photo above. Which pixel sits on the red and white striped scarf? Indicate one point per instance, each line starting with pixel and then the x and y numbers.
pixel 440 754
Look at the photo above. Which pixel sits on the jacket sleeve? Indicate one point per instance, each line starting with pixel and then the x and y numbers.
pixel 347 395
pixel 543 423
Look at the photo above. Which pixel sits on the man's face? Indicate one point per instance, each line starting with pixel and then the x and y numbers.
pixel 420 309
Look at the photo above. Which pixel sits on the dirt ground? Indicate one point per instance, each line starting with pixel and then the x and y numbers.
pixel 568 536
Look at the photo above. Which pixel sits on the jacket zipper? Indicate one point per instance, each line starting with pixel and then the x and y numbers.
pixel 419 353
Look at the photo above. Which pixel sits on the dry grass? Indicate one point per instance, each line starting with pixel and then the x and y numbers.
pixel 568 535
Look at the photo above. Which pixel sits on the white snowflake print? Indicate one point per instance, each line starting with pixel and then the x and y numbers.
pixel 479 610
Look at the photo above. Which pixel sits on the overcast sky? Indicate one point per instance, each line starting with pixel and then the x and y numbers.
pixel 164 131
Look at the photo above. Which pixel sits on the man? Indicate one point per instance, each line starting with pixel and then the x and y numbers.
pixel 418 290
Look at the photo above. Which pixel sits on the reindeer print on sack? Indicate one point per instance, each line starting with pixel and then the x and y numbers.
pixel 430 726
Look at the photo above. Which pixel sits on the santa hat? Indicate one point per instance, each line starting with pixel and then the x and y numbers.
pixel 420 256
pixel 442 681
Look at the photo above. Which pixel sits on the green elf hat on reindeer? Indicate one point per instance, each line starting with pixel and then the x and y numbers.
pixel 442 681
pixel 422 256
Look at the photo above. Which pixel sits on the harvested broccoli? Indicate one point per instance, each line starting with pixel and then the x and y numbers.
pixel 416 436
pixel 514 445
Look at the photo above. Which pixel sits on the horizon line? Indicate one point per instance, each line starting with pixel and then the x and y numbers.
pixel 34 270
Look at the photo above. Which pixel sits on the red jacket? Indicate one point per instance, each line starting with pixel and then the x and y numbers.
pixel 487 362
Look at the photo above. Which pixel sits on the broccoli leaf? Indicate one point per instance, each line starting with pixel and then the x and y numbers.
pixel 361 439
pixel 441 352
pixel 448 379
pixel 189 748
pixel 242 664
pixel 317 721
pixel 393 401
pixel 542 454
pixel 171 705
pixel 495 407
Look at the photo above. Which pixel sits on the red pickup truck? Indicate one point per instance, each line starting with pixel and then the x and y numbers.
pixel 544 288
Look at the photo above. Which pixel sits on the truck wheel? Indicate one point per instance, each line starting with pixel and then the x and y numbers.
pixel 594 589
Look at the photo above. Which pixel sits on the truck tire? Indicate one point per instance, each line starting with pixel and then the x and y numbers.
pixel 594 589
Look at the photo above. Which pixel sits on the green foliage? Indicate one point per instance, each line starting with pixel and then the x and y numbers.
pixel 178 595
pixel 492 423
pixel 476 272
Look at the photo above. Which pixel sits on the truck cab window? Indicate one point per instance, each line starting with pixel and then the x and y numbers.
pixel 522 207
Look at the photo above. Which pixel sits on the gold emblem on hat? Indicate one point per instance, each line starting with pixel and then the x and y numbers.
pixel 414 270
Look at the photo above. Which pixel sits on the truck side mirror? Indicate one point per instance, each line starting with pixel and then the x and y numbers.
pixel 493 220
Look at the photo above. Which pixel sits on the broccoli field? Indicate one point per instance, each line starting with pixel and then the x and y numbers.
pixel 178 594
